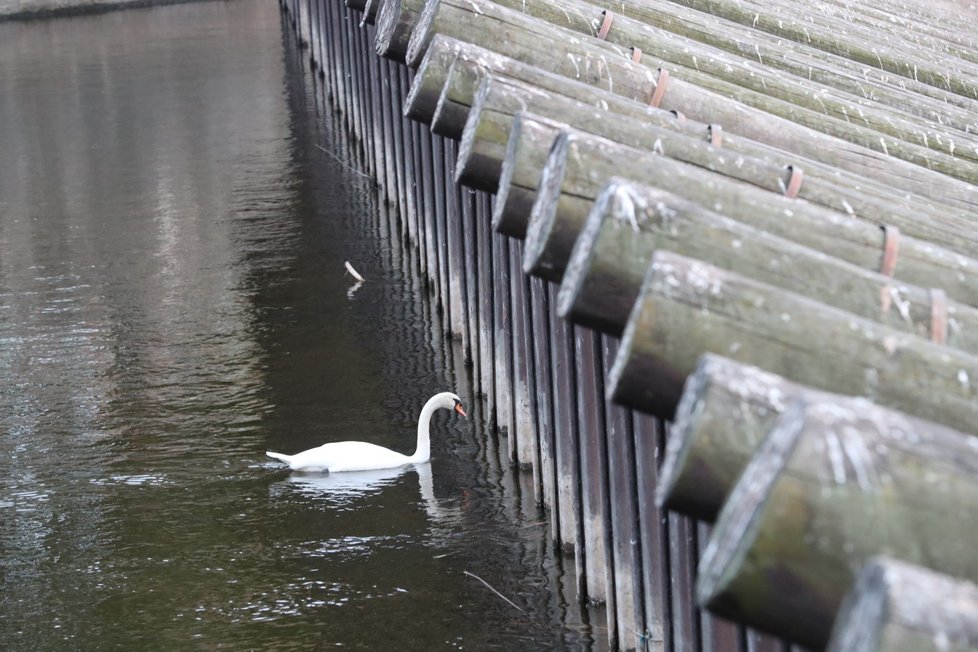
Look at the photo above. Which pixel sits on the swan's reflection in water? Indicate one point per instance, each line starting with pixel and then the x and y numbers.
pixel 350 291
pixel 344 487
pixel 341 489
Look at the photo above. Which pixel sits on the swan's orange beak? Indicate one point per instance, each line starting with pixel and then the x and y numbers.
pixel 460 409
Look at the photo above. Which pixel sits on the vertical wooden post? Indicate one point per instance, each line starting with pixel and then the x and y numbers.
pixel 484 275
pixel 455 304
pixel 653 530
pixel 502 333
pixel 467 201
pixel 592 558
pixel 565 429
pixel 524 449
pixel 623 517
pixel 539 312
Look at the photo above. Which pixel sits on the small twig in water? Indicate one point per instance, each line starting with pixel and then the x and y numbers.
pixel 512 604
pixel 354 273
pixel 341 161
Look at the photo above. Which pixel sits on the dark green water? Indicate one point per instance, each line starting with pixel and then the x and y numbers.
pixel 172 304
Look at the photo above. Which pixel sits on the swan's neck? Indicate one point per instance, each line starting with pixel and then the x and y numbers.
pixel 423 452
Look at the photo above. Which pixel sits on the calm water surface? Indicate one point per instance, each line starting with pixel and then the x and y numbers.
pixel 173 304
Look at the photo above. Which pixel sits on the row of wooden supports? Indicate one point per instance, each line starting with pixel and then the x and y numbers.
pixel 798 253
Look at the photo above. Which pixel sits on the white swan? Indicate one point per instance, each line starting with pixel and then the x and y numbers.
pixel 363 456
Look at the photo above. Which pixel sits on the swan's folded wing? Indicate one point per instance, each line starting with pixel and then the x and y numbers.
pixel 348 456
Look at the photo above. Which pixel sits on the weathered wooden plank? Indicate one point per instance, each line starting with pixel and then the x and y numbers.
pixel 834 483
pixel 717 633
pixel 726 410
pixel 370 10
pixel 804 61
pixel 898 607
pixel 526 156
pixel 471 22
pixel 626 227
pixel 863 47
pixel 395 21
pixel 533 41
pixel 579 165
pixel 451 72
pixel 484 140
pixel 688 308
pixel 798 99
pixel 557 228
pixel 430 77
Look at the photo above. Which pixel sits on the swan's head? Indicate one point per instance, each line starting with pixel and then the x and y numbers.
pixel 448 401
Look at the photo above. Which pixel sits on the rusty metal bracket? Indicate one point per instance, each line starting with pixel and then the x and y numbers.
pixel 795 176
pixel 605 25
pixel 715 132
pixel 660 88
pixel 891 249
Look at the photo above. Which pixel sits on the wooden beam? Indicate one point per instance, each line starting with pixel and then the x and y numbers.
pixel 688 308
pixel 898 607
pixel 835 483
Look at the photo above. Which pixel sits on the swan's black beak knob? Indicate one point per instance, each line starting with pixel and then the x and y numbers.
pixel 460 409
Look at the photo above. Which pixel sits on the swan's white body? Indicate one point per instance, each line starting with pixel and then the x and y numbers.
pixel 363 456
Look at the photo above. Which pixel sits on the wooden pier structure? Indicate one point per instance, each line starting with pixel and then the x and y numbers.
pixel 714 265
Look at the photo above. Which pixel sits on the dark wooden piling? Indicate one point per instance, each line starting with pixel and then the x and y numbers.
pixel 502 334
pixel 653 527
pixel 593 559
pixel 539 310
pixel 827 480
pixel 370 9
pixel 483 253
pixel 435 220
pixel 425 192
pixel 406 169
pixel 375 83
pixel 566 446
pixel 626 578
pixel 456 300
pixel 467 212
